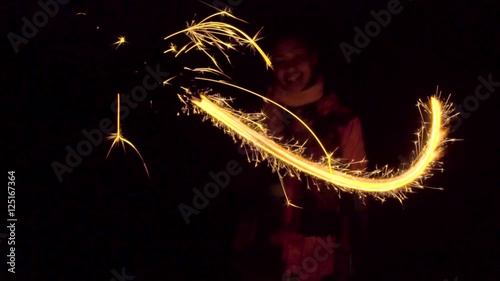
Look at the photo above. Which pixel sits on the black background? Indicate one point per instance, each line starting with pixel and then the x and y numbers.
pixel 107 214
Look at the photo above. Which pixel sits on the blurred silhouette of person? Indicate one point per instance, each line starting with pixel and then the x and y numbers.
pixel 325 217
pixel 316 239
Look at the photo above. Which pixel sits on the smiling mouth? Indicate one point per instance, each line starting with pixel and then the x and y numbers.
pixel 293 78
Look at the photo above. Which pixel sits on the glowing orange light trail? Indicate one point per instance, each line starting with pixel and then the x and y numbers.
pixel 428 155
pixel 328 155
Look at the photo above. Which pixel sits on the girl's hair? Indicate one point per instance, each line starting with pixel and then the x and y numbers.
pixel 297 34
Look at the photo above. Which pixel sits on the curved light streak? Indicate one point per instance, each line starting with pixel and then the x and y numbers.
pixel 428 154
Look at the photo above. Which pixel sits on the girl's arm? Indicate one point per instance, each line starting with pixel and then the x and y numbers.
pixel 353 149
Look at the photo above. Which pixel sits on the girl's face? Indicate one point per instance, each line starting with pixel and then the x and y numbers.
pixel 293 65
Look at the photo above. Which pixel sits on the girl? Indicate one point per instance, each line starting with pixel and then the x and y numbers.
pixel 324 218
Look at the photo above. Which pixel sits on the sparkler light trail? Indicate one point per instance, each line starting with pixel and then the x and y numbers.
pixel 204 34
pixel 380 183
pixel 250 130
pixel 118 137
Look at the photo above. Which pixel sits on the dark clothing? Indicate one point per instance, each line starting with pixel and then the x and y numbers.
pixel 326 129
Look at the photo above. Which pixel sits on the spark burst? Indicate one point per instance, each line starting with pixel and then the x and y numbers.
pixel 118 137
pixel 121 41
pixel 205 33
pixel 250 130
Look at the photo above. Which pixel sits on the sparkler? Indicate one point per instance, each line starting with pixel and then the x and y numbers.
pixel 250 131
pixel 287 158
pixel 380 183
pixel 118 137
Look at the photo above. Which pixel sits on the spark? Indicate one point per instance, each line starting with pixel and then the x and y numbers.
pixel 173 49
pixel 209 33
pixel 118 137
pixel 203 70
pixel 121 41
pixel 167 81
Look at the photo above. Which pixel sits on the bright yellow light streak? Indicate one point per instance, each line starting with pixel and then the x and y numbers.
pixel 202 70
pixel 173 48
pixel 167 81
pixel 328 155
pixel 121 41
pixel 386 183
pixel 118 137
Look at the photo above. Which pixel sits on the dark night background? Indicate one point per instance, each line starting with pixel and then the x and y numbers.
pixel 107 214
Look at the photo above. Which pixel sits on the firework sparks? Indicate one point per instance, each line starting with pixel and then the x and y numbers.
pixel 261 145
pixel 205 33
pixel 248 129
pixel 121 41
pixel 203 70
pixel 208 33
pixel 118 137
